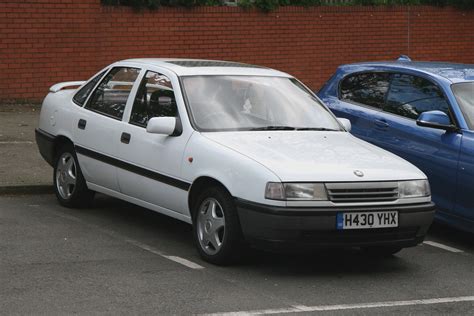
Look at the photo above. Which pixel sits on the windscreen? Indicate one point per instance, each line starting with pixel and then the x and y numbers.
pixel 464 93
pixel 229 103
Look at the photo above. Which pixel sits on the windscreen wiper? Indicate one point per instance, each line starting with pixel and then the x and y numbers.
pixel 273 128
pixel 317 129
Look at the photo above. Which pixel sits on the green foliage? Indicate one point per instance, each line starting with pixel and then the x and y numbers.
pixel 461 4
pixel 269 5
pixel 266 5
pixel 137 4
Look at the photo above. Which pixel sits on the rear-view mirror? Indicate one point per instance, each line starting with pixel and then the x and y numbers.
pixel 435 119
pixel 346 123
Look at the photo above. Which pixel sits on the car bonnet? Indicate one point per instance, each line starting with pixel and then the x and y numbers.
pixel 318 156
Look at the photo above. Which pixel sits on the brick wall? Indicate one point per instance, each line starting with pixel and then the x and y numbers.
pixel 47 41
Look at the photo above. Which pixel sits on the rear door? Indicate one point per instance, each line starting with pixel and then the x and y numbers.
pixel 97 130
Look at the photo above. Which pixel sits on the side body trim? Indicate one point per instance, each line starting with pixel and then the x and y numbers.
pixel 134 168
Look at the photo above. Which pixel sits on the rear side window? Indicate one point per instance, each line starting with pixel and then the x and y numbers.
pixel 110 96
pixel 81 96
pixel 409 96
pixel 366 88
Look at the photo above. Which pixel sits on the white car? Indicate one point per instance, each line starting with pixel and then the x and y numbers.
pixel 245 154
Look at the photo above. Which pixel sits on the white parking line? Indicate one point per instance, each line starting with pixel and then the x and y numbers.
pixel 321 308
pixel 184 262
pixel 438 245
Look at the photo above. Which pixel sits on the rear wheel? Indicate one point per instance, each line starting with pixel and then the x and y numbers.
pixel 69 184
pixel 217 232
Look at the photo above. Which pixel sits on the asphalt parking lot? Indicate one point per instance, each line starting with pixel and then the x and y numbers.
pixel 117 258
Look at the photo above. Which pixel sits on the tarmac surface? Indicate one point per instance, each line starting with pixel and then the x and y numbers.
pixel 117 258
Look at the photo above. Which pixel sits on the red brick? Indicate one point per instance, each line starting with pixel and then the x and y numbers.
pixel 46 41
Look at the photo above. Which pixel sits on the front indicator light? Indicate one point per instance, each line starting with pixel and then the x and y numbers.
pixel 274 191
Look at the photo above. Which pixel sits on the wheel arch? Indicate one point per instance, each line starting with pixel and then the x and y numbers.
pixel 60 141
pixel 198 185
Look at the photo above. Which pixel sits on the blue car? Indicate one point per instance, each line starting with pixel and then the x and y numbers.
pixel 421 111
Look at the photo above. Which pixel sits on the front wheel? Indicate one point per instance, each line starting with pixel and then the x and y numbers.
pixel 69 184
pixel 216 227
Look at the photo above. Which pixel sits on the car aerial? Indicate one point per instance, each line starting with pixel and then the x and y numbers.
pixel 246 154
pixel 424 113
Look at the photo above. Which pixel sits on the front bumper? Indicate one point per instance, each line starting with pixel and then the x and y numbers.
pixel 272 227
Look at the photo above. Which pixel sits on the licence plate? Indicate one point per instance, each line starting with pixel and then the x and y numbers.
pixel 365 220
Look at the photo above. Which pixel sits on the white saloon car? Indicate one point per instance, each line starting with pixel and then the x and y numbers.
pixel 246 154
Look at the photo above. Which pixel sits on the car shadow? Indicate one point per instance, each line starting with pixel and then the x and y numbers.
pixel 153 226
pixel 453 237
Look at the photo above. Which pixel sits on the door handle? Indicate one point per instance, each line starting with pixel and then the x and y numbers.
pixel 381 123
pixel 125 138
pixel 81 124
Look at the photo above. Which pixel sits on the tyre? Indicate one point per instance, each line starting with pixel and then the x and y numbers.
pixel 382 251
pixel 69 184
pixel 216 227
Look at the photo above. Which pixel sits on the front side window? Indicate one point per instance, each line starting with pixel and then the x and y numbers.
pixel 464 93
pixel 223 103
pixel 110 96
pixel 154 98
pixel 366 88
pixel 81 96
pixel 409 96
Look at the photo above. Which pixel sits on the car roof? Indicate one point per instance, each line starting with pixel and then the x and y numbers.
pixel 190 67
pixel 452 72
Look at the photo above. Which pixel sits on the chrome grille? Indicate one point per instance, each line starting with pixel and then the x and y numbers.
pixel 358 192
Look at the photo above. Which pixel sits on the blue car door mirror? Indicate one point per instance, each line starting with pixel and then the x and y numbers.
pixel 435 119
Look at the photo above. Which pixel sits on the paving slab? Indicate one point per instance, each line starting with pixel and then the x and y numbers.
pixel 22 169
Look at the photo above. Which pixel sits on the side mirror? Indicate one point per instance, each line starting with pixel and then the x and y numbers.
pixel 435 119
pixel 346 123
pixel 165 125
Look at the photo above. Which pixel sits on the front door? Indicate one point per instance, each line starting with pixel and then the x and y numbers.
pixel 153 162
pixel 465 188
pixel 434 151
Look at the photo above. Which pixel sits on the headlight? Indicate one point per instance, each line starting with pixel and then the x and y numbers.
pixel 412 189
pixel 296 191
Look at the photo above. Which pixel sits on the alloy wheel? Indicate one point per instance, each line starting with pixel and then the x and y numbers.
pixel 66 173
pixel 211 226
